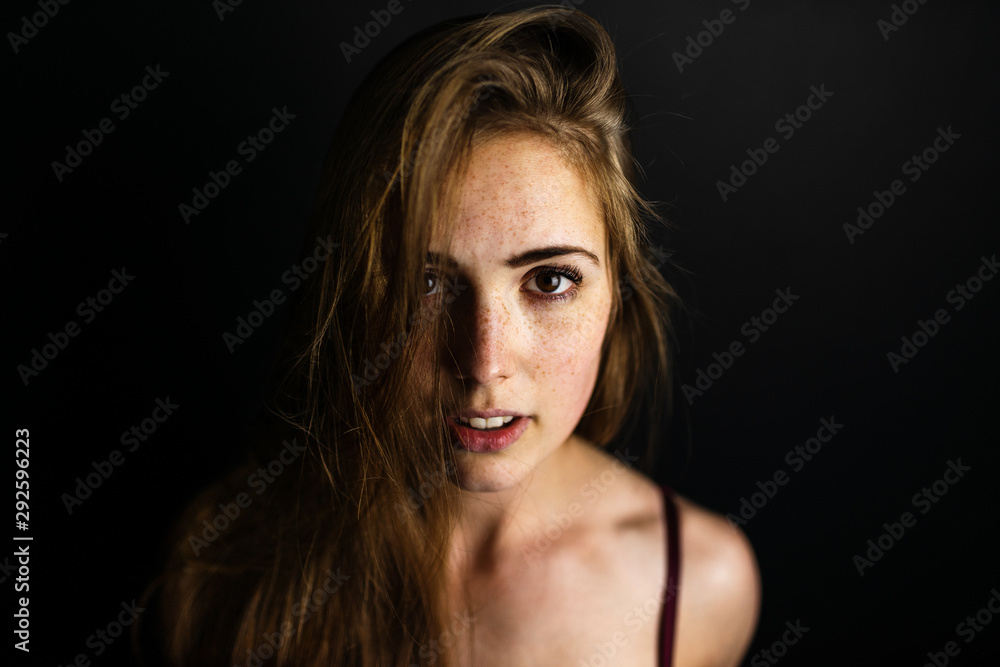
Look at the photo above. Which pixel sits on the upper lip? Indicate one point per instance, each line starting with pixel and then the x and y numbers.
pixel 485 414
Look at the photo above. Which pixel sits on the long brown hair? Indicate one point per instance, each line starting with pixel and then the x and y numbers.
pixel 340 559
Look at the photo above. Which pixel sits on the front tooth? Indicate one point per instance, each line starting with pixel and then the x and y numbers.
pixel 508 419
pixel 494 422
pixel 477 422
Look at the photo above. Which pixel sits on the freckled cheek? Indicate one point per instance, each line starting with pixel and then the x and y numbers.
pixel 565 353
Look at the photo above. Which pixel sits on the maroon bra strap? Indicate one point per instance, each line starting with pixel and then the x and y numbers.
pixel 669 612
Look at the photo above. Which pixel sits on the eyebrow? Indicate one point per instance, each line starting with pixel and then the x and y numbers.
pixel 529 257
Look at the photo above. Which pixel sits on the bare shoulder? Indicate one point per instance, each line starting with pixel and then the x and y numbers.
pixel 719 596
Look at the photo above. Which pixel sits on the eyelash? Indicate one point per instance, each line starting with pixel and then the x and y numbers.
pixel 571 273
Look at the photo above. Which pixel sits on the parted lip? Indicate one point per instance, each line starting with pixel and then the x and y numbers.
pixel 484 414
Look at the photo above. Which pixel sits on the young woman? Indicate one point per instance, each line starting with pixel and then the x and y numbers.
pixel 487 335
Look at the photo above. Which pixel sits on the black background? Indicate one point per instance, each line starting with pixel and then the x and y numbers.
pixel 825 357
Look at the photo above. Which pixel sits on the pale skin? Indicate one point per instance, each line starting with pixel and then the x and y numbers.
pixel 560 554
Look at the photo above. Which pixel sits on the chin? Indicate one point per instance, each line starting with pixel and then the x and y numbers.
pixel 489 473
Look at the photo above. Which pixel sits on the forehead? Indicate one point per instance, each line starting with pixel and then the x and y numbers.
pixel 521 190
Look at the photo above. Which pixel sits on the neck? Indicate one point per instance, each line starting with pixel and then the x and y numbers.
pixel 492 524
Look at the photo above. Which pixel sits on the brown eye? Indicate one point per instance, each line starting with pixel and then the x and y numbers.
pixel 555 282
pixel 430 284
pixel 548 282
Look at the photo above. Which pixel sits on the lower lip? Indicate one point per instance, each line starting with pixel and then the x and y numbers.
pixel 494 440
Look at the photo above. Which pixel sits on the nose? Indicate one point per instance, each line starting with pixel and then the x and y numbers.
pixel 483 342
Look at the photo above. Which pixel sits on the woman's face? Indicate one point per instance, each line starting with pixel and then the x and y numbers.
pixel 532 300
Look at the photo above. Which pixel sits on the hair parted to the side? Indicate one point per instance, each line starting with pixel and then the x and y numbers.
pixel 348 510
